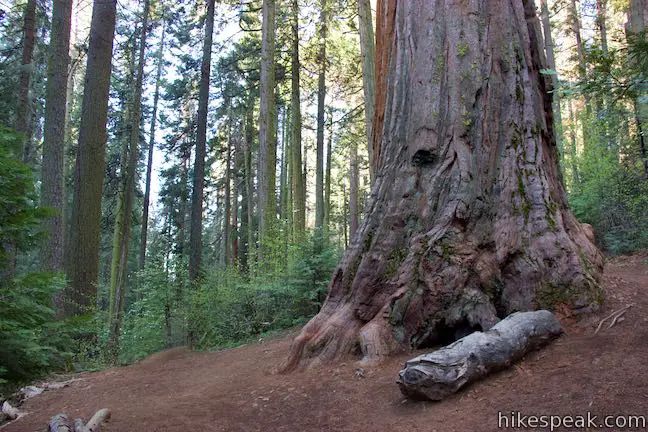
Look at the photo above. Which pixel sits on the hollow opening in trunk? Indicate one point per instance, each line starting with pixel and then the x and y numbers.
pixel 423 158
pixel 445 334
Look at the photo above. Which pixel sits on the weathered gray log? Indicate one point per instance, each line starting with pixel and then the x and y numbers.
pixel 95 422
pixel 443 372
pixel 10 411
pixel 62 423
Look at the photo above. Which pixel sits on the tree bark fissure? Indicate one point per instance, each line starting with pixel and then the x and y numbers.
pixel 321 96
pixel 298 191
pixel 367 51
pixel 197 194
pixel 267 180
pixel 468 220
pixel 53 166
pixel 83 260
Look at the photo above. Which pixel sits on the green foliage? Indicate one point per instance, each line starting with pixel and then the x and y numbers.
pixel 19 216
pixel 228 307
pixel 612 190
pixel 31 342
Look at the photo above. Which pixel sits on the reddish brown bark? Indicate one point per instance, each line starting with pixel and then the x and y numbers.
pixel 469 221
pixel 385 14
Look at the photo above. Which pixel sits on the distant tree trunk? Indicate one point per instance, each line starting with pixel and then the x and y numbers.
pixel 573 153
pixel 551 64
pixel 582 67
pixel 250 248
pixel 327 176
pixel 53 165
pixel 124 218
pixel 367 51
pixel 353 190
pixel 299 194
pixel 321 95
pixel 283 180
pixel 181 216
pixel 236 178
pixel 601 23
pixel 23 109
pixel 83 263
pixel 151 150
pixel 228 200
pixel 603 105
pixel 197 194
pixel 637 23
pixel 345 215
pixel 267 201
pixel 468 220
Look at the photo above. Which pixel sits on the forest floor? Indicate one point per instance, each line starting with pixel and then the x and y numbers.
pixel 236 389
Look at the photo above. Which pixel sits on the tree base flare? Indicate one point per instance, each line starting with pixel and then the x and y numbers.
pixel 468 219
pixel 443 372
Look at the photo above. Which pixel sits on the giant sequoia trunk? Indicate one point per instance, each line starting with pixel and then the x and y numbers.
pixel 468 220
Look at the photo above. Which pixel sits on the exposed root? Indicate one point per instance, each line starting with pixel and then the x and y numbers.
pixel 614 316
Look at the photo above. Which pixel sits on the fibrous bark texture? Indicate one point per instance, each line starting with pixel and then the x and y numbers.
pixel 468 220
pixel 85 226
pixel 267 180
pixel 197 192
pixel 53 165
pixel 443 372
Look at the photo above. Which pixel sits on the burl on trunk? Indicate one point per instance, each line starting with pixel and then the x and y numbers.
pixel 468 220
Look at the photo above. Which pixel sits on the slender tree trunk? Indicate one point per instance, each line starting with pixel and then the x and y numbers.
pixel 267 202
pixel 321 95
pixel 181 217
pixel 250 254
pixel 468 220
pixel 121 240
pixel 228 201
pixel 83 263
pixel 603 106
pixel 235 194
pixel 151 150
pixel 283 180
pixel 551 64
pixel 327 177
pixel 353 190
pixel 582 68
pixel 197 194
pixel 573 153
pixel 23 109
pixel 53 166
pixel 299 194
pixel 367 51
pixel 345 216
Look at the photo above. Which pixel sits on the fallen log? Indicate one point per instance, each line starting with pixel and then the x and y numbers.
pixel 10 411
pixel 443 372
pixel 62 423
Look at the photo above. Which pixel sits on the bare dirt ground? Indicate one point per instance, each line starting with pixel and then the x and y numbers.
pixel 236 390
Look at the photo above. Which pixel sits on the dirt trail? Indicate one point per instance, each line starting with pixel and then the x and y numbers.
pixel 235 390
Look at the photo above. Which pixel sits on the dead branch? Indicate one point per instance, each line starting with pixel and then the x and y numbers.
pixel 614 316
